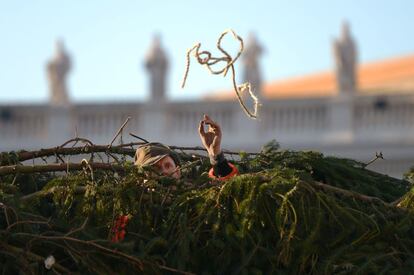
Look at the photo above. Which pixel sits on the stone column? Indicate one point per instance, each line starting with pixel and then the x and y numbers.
pixel 60 125
pixel 153 120
pixel 246 130
pixel 341 115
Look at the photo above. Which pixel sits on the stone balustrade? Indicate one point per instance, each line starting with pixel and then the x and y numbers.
pixel 352 126
pixel 385 116
pixel 22 125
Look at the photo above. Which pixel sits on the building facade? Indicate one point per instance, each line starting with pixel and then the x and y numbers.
pixel 352 112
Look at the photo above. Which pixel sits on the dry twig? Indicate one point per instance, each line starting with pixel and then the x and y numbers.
pixel 119 131
pixel 140 138
pixel 377 156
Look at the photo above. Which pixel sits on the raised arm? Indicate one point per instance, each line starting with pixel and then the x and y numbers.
pixel 211 140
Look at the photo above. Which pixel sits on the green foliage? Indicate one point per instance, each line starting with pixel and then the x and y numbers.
pixel 274 218
pixel 8 158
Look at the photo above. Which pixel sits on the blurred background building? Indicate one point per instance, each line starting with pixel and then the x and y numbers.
pixel 353 111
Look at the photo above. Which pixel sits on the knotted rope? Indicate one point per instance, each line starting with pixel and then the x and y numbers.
pixel 205 58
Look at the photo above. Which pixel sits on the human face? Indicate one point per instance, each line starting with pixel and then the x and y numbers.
pixel 167 167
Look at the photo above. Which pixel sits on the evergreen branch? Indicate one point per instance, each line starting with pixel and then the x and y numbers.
pixel 198 148
pixel 121 149
pixel 18 251
pixel 303 213
pixel 108 251
pixel 55 167
pixel 78 190
pixel 340 191
pixel 347 193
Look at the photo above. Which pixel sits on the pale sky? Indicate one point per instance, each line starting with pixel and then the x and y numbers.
pixel 107 41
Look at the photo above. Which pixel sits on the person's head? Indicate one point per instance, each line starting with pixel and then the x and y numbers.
pixel 160 157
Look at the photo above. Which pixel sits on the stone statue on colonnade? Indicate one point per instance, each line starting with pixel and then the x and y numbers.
pixel 57 70
pixel 345 55
pixel 250 59
pixel 156 63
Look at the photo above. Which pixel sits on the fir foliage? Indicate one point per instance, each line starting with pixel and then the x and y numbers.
pixel 286 213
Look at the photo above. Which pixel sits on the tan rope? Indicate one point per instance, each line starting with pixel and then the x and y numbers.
pixel 205 58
